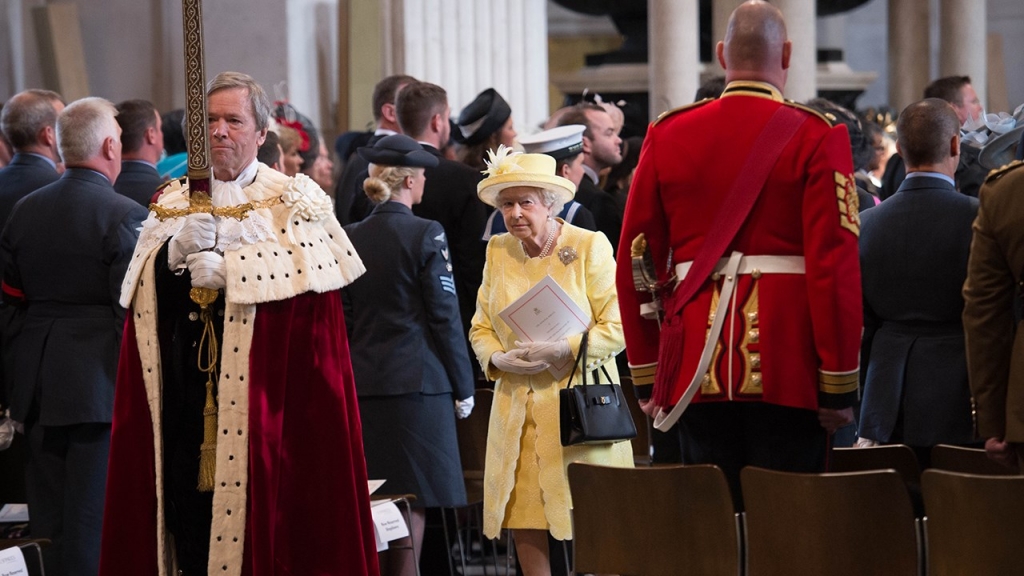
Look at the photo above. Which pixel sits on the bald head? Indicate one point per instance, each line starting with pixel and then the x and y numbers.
pixel 928 135
pixel 755 46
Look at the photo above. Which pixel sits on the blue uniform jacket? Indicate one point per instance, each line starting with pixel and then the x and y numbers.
pixel 402 315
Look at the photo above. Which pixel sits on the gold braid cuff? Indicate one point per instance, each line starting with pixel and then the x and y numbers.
pixel 838 383
pixel 643 375
pixel 238 211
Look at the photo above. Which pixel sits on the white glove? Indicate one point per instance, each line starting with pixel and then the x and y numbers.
pixel 199 233
pixel 550 352
pixel 513 361
pixel 865 443
pixel 7 429
pixel 208 270
pixel 464 407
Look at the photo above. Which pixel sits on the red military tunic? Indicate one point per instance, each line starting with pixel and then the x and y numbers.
pixel 788 339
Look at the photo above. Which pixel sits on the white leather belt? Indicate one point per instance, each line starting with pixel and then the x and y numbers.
pixel 730 268
pixel 754 265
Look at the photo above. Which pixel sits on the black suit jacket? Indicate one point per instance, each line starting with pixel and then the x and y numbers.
pixel 449 198
pixel 913 253
pixel 350 202
pixel 402 315
pixel 607 212
pixel 26 173
pixel 67 247
pixel 138 181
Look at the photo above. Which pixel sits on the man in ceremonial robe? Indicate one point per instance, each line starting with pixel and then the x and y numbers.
pixel 289 490
pixel 783 370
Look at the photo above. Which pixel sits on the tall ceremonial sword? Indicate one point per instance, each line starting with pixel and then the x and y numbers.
pixel 200 201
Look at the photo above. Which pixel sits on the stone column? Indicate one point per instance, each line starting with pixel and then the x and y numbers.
pixel 962 42
pixel 720 12
pixel 801 84
pixel 674 53
pixel 908 51
pixel 467 46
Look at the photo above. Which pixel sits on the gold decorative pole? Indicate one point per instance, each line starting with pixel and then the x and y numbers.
pixel 199 187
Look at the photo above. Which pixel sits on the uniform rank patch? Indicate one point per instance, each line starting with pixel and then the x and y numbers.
pixel 846 194
pixel 447 283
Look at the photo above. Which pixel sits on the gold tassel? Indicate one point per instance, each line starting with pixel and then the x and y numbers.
pixel 208 354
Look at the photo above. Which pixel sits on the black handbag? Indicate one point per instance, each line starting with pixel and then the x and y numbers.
pixel 593 413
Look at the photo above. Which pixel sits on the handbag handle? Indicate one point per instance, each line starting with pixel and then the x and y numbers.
pixel 583 354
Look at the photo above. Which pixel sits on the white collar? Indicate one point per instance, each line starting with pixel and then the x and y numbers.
pixel 230 193
pixel 591 173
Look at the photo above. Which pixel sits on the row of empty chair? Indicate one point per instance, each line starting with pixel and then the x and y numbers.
pixel 679 520
pixel 867 517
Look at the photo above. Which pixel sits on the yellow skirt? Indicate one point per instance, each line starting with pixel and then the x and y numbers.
pixel 525 508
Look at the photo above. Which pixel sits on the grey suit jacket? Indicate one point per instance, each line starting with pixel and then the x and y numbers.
pixel 26 173
pixel 67 247
pixel 913 256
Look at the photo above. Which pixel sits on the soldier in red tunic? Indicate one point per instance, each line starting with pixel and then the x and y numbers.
pixel 780 369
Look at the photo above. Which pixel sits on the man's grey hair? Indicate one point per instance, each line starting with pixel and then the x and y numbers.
pixel 257 96
pixel 26 114
pixel 83 126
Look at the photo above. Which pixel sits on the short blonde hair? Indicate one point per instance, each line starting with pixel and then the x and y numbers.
pixel 289 138
pixel 384 181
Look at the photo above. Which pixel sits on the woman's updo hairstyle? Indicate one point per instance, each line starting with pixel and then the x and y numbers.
pixel 391 159
pixel 385 181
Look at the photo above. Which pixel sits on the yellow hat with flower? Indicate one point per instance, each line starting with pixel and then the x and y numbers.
pixel 509 169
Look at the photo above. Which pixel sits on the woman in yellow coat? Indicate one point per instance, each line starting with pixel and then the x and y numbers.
pixel 525 484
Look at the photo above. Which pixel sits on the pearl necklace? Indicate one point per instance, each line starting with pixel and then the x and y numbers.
pixel 546 250
pixel 551 239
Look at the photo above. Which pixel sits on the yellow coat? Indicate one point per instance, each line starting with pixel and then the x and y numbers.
pixel 589 279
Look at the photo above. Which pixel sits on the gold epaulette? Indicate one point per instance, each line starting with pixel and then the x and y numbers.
pixel 679 109
pixel 812 111
pixel 999 172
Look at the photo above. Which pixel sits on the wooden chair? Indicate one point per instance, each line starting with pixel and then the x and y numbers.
pixel 31 550
pixel 846 524
pixel 894 456
pixel 642 442
pixel 966 461
pixel 661 521
pixel 975 523
pixel 472 434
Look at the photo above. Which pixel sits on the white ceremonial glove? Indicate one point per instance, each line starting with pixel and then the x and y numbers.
pixel 199 233
pixel 7 430
pixel 513 361
pixel 549 352
pixel 464 407
pixel 208 270
pixel 865 443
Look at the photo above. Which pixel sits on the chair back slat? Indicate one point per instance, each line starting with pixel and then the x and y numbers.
pixel 897 457
pixel 845 524
pixel 975 523
pixel 966 461
pixel 659 521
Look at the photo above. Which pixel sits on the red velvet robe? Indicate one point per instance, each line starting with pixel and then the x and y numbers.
pixel 308 505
